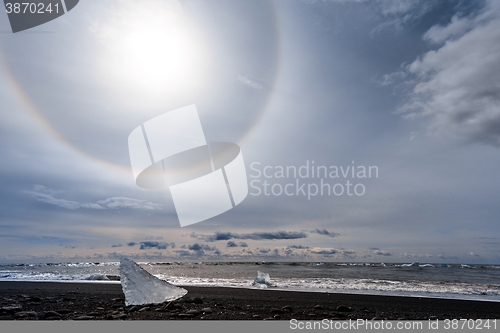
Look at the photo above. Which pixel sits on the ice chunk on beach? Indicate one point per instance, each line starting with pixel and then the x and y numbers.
pixel 140 287
pixel 263 280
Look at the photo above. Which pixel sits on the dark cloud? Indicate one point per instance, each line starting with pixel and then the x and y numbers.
pixel 348 253
pixel 195 247
pixel 324 232
pixel 298 247
pixel 271 235
pixel 330 252
pixel 116 245
pixel 158 245
pixel 198 247
pixel 234 244
pixel 198 250
pixel 131 244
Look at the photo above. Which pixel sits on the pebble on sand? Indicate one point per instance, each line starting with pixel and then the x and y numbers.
pixel 343 308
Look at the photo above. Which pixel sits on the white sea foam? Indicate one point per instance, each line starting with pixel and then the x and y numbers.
pixel 364 286
pixel 96 277
pixel 442 280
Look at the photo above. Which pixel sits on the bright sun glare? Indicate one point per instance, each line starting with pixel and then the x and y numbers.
pixel 152 48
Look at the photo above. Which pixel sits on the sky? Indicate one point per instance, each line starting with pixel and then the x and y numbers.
pixel 398 100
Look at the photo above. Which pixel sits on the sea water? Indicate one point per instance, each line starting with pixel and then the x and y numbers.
pixel 475 282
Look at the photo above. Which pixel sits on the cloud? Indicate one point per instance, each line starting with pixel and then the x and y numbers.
pixel 327 251
pixel 46 195
pixel 62 203
pixel 331 251
pixel 124 202
pixel 198 247
pixel 198 250
pixel 154 238
pixel 135 255
pixel 116 245
pixel 183 253
pixel 324 232
pixel 391 78
pixel 42 189
pixel 158 245
pixel 400 13
pixel 402 8
pixel 233 244
pixel 298 247
pixel 380 252
pixel 458 85
pixel 219 235
pixel 457 27
pixel 131 244
pixel 250 83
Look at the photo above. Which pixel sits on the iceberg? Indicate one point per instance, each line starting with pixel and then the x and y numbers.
pixel 140 287
pixel 316 263
pixel 263 280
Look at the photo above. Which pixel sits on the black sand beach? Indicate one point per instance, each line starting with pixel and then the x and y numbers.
pixel 101 301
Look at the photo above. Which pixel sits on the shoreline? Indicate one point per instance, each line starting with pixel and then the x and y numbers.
pixel 105 301
pixel 367 293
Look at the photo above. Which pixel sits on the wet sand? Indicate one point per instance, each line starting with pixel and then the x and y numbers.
pixel 105 301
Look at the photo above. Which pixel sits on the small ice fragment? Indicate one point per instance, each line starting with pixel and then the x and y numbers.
pixel 263 280
pixel 140 287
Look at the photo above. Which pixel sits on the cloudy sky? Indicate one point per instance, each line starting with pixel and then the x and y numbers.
pixel 408 88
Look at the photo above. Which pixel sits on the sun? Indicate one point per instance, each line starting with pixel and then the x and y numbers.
pixel 151 47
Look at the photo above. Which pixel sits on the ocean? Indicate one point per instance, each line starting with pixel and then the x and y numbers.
pixel 472 282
